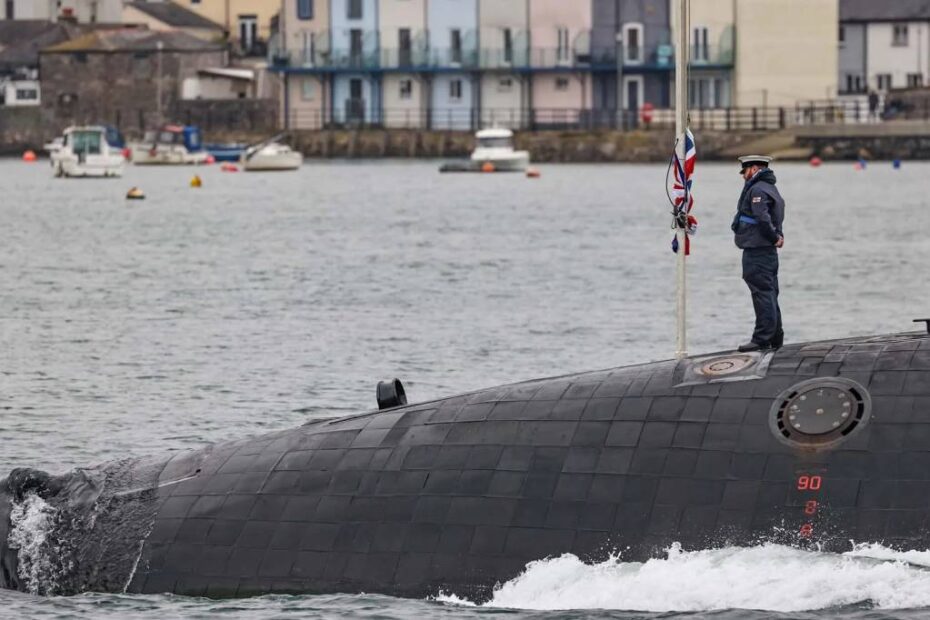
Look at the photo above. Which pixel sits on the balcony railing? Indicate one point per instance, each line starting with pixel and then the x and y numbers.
pixel 517 59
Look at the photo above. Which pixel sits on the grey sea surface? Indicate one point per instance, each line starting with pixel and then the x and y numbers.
pixel 260 301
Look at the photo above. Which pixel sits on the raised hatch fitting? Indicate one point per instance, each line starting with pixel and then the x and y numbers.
pixel 820 413
pixel 390 394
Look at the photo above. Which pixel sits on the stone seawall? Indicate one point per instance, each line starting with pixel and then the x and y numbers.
pixel 545 146
pixel 30 127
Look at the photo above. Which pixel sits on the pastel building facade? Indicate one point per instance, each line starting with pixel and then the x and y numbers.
pixel 453 47
pixel 560 35
pixel 632 59
pixel 467 64
pixel 355 49
pixel 304 44
pixel 503 32
pixel 402 34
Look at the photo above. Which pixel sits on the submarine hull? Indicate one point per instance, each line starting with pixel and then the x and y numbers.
pixel 820 444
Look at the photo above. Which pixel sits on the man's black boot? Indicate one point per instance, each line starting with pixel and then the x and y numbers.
pixel 753 346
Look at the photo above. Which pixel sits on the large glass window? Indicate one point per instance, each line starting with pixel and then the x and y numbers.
pixel 354 9
pixel 87 142
pixel 899 35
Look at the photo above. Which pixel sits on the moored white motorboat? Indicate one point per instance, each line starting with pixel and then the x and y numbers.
pixel 495 147
pixel 85 152
pixel 170 145
pixel 271 156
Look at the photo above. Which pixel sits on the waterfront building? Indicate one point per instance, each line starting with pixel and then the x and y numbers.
pixel 20 41
pixel 712 52
pixel 883 45
pixel 78 85
pixel 82 11
pixel 781 60
pixel 404 43
pixel 301 55
pixel 503 32
pixel 168 16
pixel 631 58
pixel 247 23
pixel 560 60
pixel 453 59
pixel 354 54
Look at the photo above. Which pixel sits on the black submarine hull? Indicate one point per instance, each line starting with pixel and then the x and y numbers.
pixel 821 443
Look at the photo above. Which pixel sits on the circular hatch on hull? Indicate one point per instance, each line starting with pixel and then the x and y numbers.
pixel 728 365
pixel 820 413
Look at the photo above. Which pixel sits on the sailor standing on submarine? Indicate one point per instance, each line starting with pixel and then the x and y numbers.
pixel 757 226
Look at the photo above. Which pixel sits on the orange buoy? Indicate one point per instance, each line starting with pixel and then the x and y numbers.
pixel 211 159
pixel 487 167
pixel 532 173
pixel 815 161
pixel 227 167
pixel 29 156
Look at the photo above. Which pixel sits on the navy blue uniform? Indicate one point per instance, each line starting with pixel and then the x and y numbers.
pixel 757 227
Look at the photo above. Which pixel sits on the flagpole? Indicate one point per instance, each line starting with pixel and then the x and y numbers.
pixel 681 121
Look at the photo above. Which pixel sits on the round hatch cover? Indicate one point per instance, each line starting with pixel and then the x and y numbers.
pixel 723 366
pixel 820 412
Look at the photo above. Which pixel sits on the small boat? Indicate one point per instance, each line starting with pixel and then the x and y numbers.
pixel 171 145
pixel 226 152
pixel 271 155
pixel 85 152
pixel 495 147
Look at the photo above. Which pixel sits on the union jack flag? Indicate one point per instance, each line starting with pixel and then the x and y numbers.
pixel 681 191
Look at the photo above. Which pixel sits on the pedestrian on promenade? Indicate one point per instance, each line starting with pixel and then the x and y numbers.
pixel 873 106
pixel 757 227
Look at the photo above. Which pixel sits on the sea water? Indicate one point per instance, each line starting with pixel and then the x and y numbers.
pixel 259 301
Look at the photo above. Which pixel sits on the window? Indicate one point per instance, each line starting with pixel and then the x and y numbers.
pixel 700 50
pixel 561 83
pixel 308 47
pixel 405 47
pixel 899 35
pixel 842 35
pixel 27 94
pixel 455 46
pixel 80 57
pixel 632 43
pixel 195 1
pixel 561 52
pixel 354 9
pixel 93 12
pixel 355 46
pixel 884 81
pixel 406 89
pixel 854 83
pixel 505 85
pixel 719 100
pixel 508 45
pixel 304 9
pixel 455 90
pixel 248 31
pixel 915 80
pixel 307 89
pixel 9 9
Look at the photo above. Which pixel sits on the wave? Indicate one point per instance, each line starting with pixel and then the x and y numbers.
pixel 767 577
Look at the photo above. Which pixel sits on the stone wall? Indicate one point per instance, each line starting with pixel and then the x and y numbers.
pixel 116 88
pixel 544 146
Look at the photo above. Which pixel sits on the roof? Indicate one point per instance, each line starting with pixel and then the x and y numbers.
pixel 174 15
pixel 494 133
pixel 134 40
pixel 21 40
pixel 887 10
pixel 229 72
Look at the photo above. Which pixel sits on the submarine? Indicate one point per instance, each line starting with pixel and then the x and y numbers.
pixel 817 445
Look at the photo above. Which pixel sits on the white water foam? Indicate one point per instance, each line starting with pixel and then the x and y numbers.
pixel 32 521
pixel 767 577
